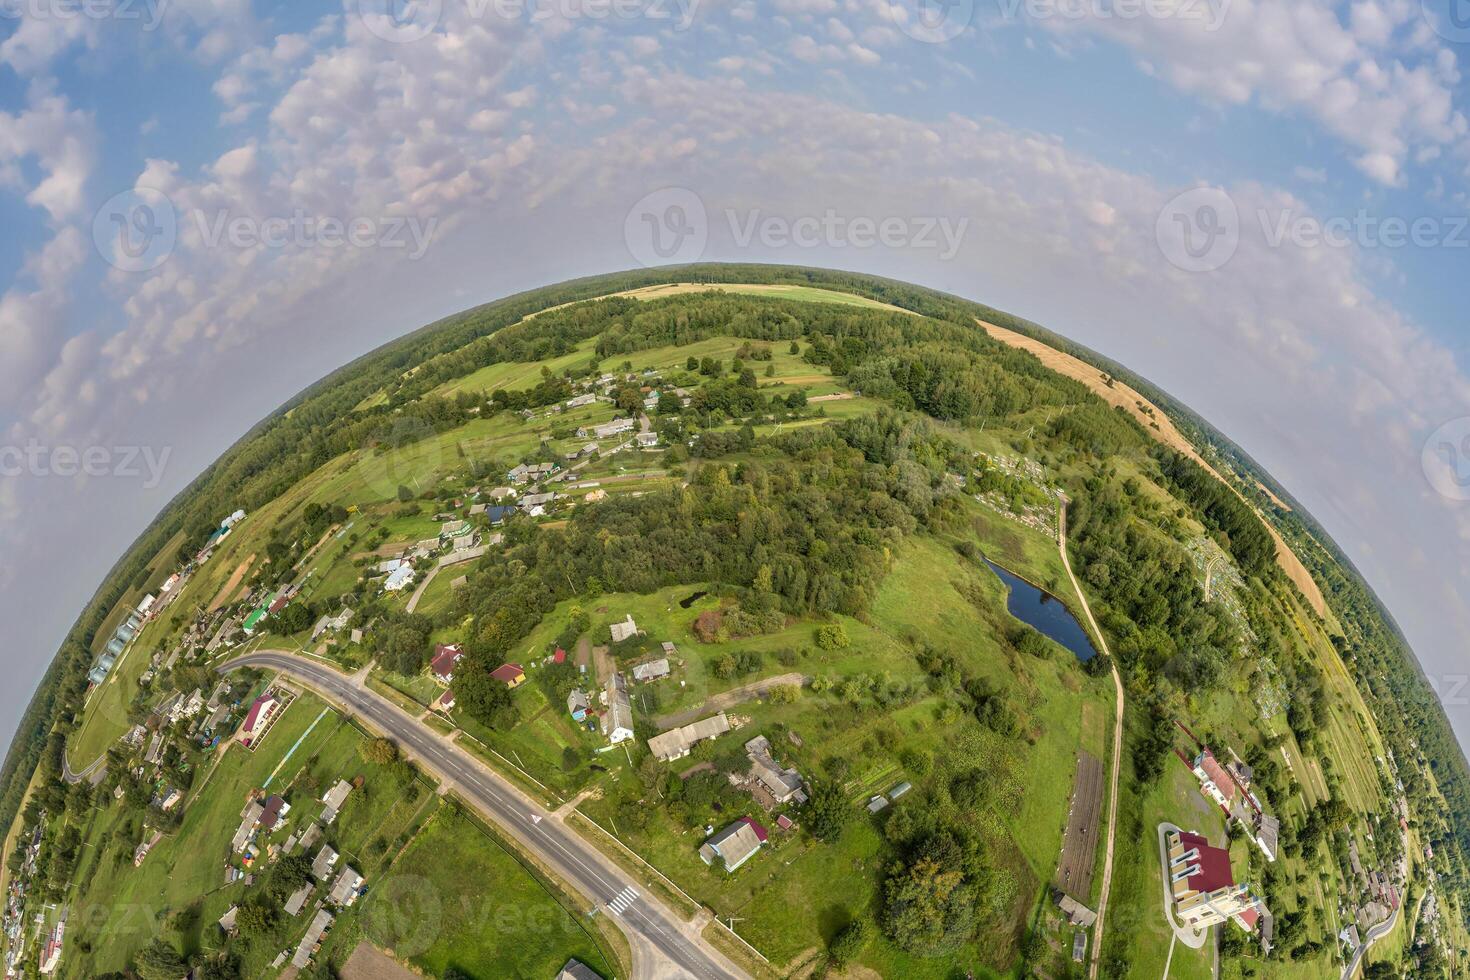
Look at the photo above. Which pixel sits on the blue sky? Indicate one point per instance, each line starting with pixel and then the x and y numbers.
pixel 1060 134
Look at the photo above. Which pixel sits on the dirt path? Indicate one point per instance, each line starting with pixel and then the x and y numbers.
pixel 1158 425
pixel 418 593
pixel 728 699
pixel 1102 645
pixel 228 589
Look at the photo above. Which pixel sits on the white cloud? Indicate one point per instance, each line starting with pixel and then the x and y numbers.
pixel 1376 81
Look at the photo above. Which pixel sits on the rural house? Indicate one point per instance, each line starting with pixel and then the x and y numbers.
pixel 735 844
pixel 679 742
pixel 334 799
pixel 625 630
pixel 511 675
pixel 617 724
pixel 445 657
pixel 651 671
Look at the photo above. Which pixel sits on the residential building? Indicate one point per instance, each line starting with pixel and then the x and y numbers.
pixel 511 675
pixel 297 901
pixel 249 817
pixel 333 800
pixel 679 742
pixel 273 812
pixel 580 400
pixel 446 655
pixel 312 939
pixel 768 781
pixel 399 579
pixel 577 704
pixel 1228 785
pixel 651 671
pixel 258 718
pixel 647 440
pixel 1203 887
pixel 625 630
pixel 734 845
pixel 324 862
pixel 532 501
pixel 1078 914
pixel 346 888
pixel 617 724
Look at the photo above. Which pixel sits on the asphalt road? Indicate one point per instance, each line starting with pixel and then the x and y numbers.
pixel 661 948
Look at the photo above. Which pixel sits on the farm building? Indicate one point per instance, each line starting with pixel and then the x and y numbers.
pixel 734 845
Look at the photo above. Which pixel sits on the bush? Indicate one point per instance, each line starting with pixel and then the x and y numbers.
pixel 832 637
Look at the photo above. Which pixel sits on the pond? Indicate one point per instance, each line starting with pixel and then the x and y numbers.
pixel 688 601
pixel 1044 613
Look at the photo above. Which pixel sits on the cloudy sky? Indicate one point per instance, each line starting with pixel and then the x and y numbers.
pixel 1258 204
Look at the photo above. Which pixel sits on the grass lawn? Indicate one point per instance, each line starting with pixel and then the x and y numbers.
pixel 457 898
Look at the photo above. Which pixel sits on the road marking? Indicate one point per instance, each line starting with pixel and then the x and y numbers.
pixel 624 899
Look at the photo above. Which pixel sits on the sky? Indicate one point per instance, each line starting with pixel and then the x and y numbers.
pixel 1259 205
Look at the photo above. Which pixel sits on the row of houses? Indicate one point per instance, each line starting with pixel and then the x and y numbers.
pixel 1228 786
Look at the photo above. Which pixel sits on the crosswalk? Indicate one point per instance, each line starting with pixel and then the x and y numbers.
pixel 624 899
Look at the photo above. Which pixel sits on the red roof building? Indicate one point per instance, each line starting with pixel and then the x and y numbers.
pixel 1212 864
pixel 760 832
pixel 445 657
pixel 560 656
pixel 511 675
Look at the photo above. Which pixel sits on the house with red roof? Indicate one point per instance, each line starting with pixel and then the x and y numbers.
pixel 1203 887
pixel 559 657
pixel 445 657
pixel 735 844
pixel 259 718
pixel 511 675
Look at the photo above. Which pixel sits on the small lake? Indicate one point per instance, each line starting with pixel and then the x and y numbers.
pixel 1044 613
